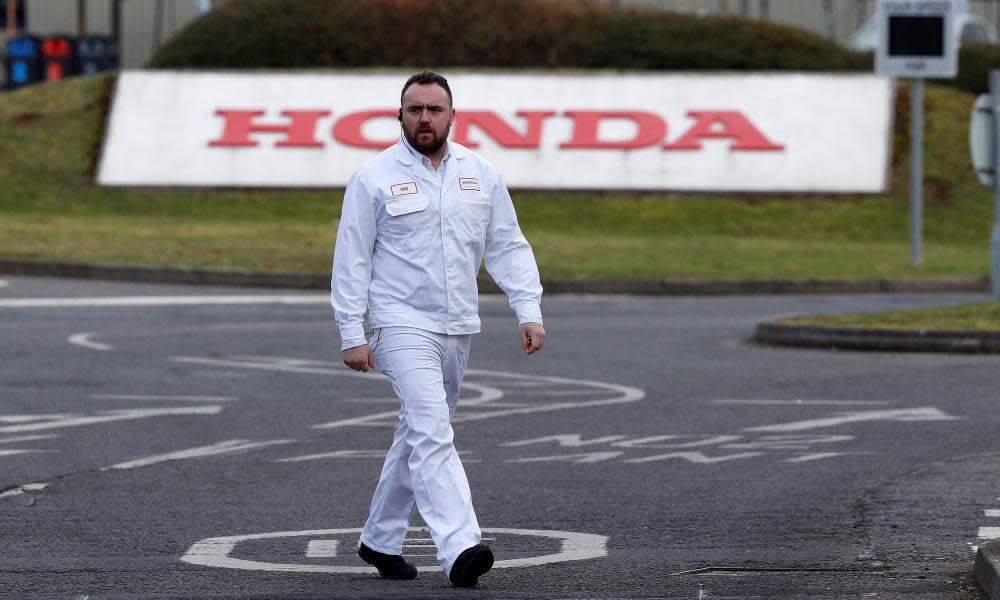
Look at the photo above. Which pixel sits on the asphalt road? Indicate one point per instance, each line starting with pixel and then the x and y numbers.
pixel 181 442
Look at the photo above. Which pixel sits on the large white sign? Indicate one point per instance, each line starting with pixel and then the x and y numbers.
pixel 735 132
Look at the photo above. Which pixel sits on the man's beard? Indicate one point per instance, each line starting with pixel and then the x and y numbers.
pixel 430 146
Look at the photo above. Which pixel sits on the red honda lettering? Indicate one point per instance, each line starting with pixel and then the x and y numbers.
pixel 300 131
pixel 494 126
pixel 723 124
pixel 349 130
pixel 650 129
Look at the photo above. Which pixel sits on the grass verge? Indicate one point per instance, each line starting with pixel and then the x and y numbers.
pixel 966 317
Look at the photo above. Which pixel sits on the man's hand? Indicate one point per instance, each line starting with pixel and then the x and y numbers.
pixel 532 337
pixel 359 358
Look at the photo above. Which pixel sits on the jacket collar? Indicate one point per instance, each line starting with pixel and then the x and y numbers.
pixel 406 156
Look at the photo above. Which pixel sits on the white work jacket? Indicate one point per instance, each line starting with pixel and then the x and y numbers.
pixel 411 240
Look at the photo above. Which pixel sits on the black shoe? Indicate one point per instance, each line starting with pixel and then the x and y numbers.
pixel 470 564
pixel 390 566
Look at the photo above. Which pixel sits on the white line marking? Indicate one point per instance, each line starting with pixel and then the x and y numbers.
pixel 226 447
pixel 583 458
pixel 815 456
pixel 322 549
pixel 41 422
pixel 83 340
pixel 693 457
pixel 357 454
pixel 572 440
pixel 622 394
pixel 153 398
pixel 927 413
pixel 990 512
pixel 336 454
pixel 27 438
pixel 214 552
pixel 28 487
pixel 148 301
pixel 30 418
pixel 16 452
pixel 988 533
pixel 798 402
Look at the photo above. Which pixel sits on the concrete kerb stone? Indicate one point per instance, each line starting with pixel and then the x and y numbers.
pixel 655 287
pixel 987 568
pixel 774 333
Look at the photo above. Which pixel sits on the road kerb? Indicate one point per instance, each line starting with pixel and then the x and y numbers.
pixel 637 287
pixel 987 568
pixel 776 333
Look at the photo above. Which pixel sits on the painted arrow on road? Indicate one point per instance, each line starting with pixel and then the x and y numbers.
pixel 925 413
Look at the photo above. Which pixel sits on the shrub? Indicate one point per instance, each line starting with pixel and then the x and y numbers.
pixel 291 34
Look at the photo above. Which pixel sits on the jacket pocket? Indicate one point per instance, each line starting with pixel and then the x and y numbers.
pixel 475 213
pixel 408 223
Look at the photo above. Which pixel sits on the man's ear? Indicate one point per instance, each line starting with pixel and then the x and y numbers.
pixel 399 117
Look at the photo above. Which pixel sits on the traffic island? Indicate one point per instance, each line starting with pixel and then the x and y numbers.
pixel 964 328
pixel 778 333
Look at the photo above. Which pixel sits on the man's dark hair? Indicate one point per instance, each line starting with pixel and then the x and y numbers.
pixel 425 78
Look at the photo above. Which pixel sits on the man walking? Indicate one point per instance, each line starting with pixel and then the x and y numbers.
pixel 417 222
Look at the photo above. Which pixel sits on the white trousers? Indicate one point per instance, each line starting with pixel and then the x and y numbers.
pixel 422 469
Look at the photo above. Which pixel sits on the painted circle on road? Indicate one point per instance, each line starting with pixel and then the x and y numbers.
pixel 217 551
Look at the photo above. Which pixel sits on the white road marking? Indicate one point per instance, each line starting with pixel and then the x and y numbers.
pixel 992 512
pixel 790 441
pixel 16 452
pixel 584 457
pixel 42 422
pixel 322 549
pixel 150 301
pixel 155 398
pixel 693 457
pixel 621 394
pixel 83 340
pixel 927 413
pixel 815 456
pixel 21 489
pixel 27 438
pixel 226 447
pixel 214 552
pixel 335 454
pixel 797 402
pixel 357 454
pixel 573 440
pixel 30 418
pixel 988 533
pixel 652 441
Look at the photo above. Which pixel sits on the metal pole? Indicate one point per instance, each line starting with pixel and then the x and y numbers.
pixel 995 237
pixel 765 9
pixel 916 170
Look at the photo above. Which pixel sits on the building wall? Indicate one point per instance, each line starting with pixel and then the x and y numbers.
pixel 138 18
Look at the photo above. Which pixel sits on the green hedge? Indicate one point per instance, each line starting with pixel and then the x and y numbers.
pixel 509 33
